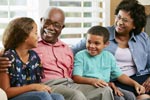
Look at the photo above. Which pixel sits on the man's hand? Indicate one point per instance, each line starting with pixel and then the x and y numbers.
pixel 4 62
pixel 146 84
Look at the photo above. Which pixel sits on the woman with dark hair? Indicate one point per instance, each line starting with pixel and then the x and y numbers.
pixel 129 45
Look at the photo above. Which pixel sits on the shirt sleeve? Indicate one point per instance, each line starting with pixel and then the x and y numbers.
pixel 78 65
pixel 115 70
pixel 148 55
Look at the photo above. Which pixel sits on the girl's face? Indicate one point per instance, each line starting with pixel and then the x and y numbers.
pixel 124 22
pixel 32 39
pixel 95 44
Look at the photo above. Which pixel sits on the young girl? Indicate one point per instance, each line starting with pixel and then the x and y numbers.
pixel 23 77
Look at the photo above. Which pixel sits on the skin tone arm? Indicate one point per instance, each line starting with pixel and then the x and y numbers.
pixel 91 81
pixel 126 80
pixel 14 91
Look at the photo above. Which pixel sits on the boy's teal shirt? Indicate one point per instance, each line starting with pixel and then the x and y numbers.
pixel 102 66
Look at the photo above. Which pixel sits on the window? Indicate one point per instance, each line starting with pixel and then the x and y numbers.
pixel 13 8
pixel 80 14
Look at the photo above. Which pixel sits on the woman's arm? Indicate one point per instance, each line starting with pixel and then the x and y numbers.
pixel 14 91
pixel 127 80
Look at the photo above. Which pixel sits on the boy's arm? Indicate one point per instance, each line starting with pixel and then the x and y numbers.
pixel 115 89
pixel 91 81
pixel 128 81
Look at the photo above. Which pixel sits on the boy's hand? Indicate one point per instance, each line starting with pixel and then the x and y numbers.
pixel 99 83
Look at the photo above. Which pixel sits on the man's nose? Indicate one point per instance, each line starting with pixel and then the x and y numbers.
pixel 50 26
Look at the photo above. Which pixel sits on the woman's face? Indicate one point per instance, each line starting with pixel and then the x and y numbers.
pixel 124 22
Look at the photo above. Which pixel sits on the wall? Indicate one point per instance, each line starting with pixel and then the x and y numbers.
pixel 114 3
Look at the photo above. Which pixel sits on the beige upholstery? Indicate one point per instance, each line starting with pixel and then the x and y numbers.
pixel 2 95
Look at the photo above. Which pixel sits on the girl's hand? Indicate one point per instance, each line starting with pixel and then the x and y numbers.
pixel 41 87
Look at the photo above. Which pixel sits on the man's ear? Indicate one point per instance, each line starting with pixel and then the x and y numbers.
pixel 41 22
pixel 106 44
pixel 41 19
pixel 63 26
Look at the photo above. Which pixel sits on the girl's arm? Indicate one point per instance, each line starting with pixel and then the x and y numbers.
pixel 14 91
pixel 91 81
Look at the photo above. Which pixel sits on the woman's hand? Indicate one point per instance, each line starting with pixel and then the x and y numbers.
pixel 139 89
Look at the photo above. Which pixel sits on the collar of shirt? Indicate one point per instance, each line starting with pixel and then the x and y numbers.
pixel 113 35
pixel 58 43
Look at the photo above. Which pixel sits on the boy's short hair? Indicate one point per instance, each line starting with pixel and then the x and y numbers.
pixel 101 31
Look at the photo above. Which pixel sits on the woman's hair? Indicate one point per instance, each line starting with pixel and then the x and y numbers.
pixel 100 31
pixel 17 32
pixel 136 11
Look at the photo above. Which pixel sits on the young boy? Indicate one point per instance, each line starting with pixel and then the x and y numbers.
pixel 97 67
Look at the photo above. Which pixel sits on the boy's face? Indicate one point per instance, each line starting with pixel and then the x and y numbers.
pixel 95 44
